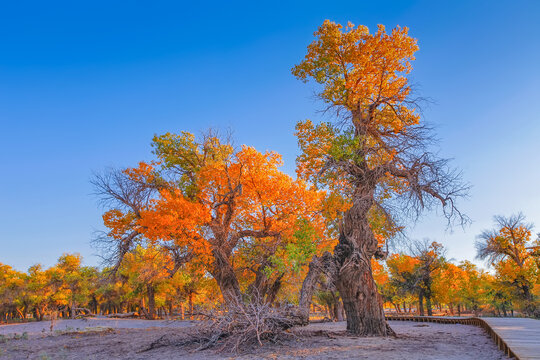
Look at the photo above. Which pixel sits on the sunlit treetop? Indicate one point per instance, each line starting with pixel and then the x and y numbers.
pixel 363 77
pixel 360 69
pixel 376 143
pixel 510 240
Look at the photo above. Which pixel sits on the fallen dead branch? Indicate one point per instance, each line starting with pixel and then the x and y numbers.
pixel 123 315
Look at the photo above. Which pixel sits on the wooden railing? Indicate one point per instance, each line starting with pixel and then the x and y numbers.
pixel 465 321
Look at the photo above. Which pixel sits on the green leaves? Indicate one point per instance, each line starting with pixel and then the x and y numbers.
pixel 345 147
pixel 185 156
pixel 296 253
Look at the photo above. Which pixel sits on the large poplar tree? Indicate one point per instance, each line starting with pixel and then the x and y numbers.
pixel 375 153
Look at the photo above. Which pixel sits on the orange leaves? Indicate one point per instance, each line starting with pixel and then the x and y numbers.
pixel 364 78
pixel 147 265
pixel 511 240
pixel 380 275
pixel 117 222
pixel 401 263
pixel 270 199
pixel 142 173
pixel 514 237
pixel 357 67
pixel 175 218
pixel 315 142
pixel 216 199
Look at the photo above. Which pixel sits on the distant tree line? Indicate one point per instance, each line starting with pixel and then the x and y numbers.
pixel 420 281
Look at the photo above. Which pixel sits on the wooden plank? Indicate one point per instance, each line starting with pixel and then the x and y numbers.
pixel 520 334
pixel 517 337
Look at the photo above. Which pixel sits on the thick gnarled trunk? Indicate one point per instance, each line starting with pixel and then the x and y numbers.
pixel 350 269
pixel 150 291
pixel 225 277
pixel 263 289
pixel 354 277
pixel 362 302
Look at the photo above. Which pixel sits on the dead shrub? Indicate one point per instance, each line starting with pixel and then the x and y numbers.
pixel 242 326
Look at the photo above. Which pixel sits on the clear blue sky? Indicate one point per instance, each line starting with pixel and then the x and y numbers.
pixel 85 85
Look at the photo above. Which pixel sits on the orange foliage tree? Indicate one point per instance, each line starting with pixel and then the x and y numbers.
pixel 515 256
pixel 232 210
pixel 375 154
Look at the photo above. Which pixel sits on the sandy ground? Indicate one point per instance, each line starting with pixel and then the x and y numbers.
pixel 126 339
pixel 44 327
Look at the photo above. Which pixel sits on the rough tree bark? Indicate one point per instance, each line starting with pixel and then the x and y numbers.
pixel 190 301
pixel 225 277
pixel 421 304
pixel 353 273
pixel 350 270
pixel 428 306
pixel 338 311
pixel 362 302
pixel 318 265
pixel 151 301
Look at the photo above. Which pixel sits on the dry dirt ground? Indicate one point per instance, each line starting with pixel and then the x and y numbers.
pixel 127 339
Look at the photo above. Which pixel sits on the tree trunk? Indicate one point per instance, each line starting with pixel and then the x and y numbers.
pixel 150 292
pixel 353 273
pixel 190 300
pixel 328 311
pixel 310 281
pixel 361 300
pixel 340 310
pixel 142 307
pixel 274 289
pixel 72 309
pixel 421 304
pixel 223 272
pixel 19 311
pixel 428 306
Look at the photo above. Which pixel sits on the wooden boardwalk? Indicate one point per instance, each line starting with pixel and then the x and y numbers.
pixel 521 335
pixel 517 337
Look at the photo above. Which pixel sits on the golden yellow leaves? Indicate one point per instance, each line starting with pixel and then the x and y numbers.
pixel 118 222
pixel 365 75
pixel 216 197
pixel 315 143
pixel 356 67
pixel 142 173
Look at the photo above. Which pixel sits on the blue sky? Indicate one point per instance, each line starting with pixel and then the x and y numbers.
pixel 84 86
